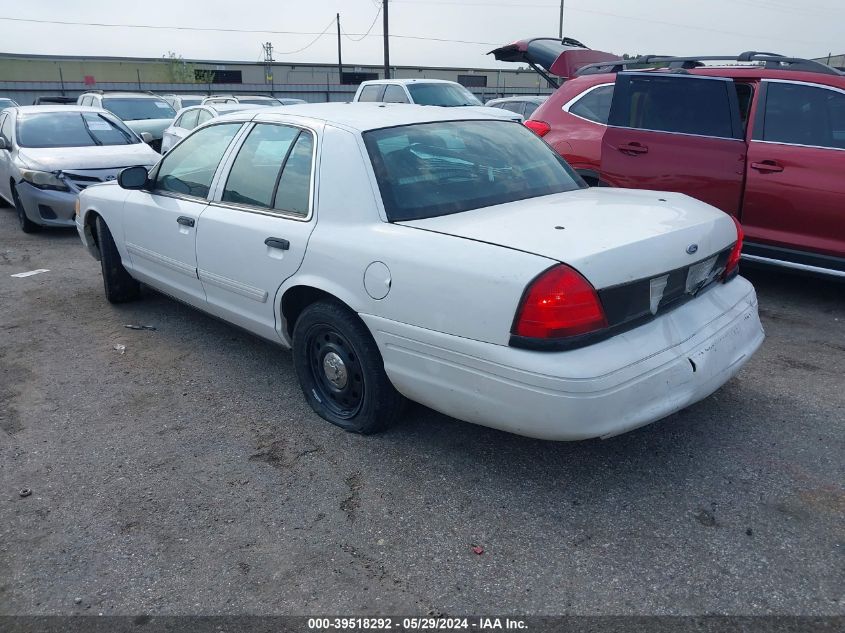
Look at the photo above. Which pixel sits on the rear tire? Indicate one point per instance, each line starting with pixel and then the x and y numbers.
pixel 119 285
pixel 341 371
pixel 27 225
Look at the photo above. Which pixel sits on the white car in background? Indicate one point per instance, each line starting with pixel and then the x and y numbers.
pixel 524 106
pixel 177 102
pixel 258 100
pixel 143 112
pixel 192 117
pixel 439 255
pixel 429 92
pixel 48 154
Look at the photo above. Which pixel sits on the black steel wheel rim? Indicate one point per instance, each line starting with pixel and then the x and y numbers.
pixel 336 371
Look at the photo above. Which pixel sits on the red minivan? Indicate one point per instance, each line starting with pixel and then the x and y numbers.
pixel 763 140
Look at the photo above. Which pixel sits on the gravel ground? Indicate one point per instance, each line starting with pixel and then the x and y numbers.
pixel 188 476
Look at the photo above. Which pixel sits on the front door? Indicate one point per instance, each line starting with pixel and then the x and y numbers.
pixel 252 237
pixel 6 157
pixel 160 223
pixel 676 133
pixel 795 191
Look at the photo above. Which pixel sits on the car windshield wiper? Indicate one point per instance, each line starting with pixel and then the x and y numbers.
pixel 89 132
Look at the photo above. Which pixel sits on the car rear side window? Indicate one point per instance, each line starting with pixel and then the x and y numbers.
pixel 680 103
pixel 371 93
pixel 513 106
pixel 395 94
pixel 433 169
pixel 188 120
pixel 804 115
pixel 272 170
pixel 530 107
pixel 204 116
pixel 189 167
pixel 595 105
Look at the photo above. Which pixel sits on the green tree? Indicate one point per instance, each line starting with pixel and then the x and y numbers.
pixel 181 72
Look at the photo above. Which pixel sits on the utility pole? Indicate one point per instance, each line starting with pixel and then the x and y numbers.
pixel 268 64
pixel 385 28
pixel 560 28
pixel 339 54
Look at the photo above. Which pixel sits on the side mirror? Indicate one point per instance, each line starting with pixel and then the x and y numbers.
pixel 132 178
pixel 3 144
pixel 147 137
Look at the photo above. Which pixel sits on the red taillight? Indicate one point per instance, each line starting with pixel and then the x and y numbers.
pixel 540 128
pixel 559 303
pixel 733 258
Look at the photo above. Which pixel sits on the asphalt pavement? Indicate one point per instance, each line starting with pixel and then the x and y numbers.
pixel 185 474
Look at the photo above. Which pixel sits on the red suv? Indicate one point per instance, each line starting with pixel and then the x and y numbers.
pixel 764 142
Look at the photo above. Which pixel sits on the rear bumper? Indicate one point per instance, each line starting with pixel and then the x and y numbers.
pixel 47 208
pixel 605 389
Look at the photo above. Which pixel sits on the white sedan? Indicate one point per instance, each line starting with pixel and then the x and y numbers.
pixel 449 258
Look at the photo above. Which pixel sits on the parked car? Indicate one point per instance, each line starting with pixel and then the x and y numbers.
pixel 443 255
pixel 7 103
pixel 54 100
pixel 141 111
pixel 258 100
pixel 48 154
pixel 429 92
pixel 524 106
pixel 178 102
pixel 763 142
pixel 192 117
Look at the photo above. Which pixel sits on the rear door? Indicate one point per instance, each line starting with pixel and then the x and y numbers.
pixel 795 191
pixel 676 132
pixel 253 236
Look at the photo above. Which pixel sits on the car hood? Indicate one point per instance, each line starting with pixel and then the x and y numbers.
pixel 561 58
pixel 96 157
pixel 155 127
pixel 611 236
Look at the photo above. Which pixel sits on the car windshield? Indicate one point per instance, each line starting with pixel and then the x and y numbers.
pixel 72 129
pixel 7 103
pixel 449 95
pixel 264 102
pixel 131 109
pixel 433 169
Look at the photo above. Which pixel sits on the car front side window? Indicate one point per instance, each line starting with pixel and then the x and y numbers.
pixel 189 168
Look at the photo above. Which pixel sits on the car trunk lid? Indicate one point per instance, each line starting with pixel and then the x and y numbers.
pixel 551 56
pixel 611 236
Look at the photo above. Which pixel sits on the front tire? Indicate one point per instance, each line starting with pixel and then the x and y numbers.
pixel 27 225
pixel 119 285
pixel 341 371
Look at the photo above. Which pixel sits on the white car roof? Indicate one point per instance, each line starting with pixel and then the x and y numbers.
pixel 31 109
pixel 363 116
pixel 405 82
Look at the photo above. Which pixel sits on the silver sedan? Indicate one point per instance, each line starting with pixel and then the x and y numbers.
pixel 48 154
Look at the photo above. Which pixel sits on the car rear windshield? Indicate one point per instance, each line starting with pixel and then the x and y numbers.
pixel 7 103
pixel 130 109
pixel 72 129
pixel 433 169
pixel 264 102
pixel 449 95
pixel 187 103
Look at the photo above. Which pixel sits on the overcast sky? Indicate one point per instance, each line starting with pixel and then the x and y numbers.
pixel 806 28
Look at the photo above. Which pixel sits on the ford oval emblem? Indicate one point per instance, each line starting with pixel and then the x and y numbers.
pixel 692 249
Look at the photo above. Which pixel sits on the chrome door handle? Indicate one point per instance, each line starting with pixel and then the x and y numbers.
pixel 277 242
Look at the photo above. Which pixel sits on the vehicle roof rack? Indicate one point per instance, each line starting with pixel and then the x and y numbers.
pixel 770 61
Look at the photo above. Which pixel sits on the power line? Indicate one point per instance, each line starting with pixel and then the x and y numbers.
pixel 311 43
pixel 230 30
pixel 375 19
